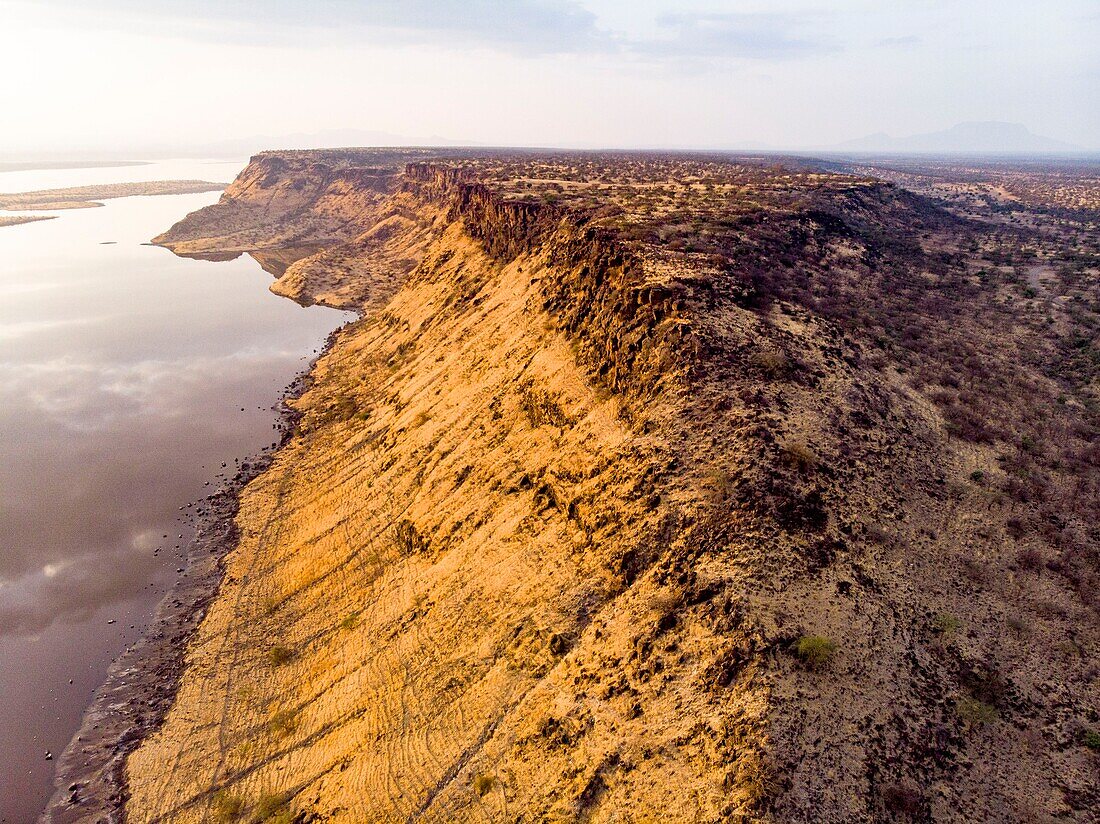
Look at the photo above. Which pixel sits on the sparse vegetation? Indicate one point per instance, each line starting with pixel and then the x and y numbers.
pixel 407 539
pixel 975 713
pixel 279 655
pixel 846 353
pixel 1091 739
pixel 814 651
pixel 483 784
pixel 284 722
pixel 542 408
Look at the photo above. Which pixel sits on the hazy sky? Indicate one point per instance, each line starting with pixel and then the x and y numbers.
pixel 98 73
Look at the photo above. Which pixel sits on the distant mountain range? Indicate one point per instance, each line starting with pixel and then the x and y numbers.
pixel 975 137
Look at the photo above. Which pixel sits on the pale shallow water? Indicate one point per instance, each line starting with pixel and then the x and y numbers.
pixel 123 374
pixel 219 171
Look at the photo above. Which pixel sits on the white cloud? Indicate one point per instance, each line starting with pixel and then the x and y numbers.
pixel 545 72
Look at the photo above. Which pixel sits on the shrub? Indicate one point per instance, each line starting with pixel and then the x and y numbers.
pixel 271 807
pixel 541 407
pixel 277 656
pixel 1030 559
pixel 945 623
pixel 227 807
pixel 799 454
pixel 1091 739
pixel 284 722
pixel 975 713
pixel 351 620
pixel 483 784
pixel 814 651
pixel 407 539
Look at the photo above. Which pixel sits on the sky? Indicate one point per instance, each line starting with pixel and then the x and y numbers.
pixel 97 74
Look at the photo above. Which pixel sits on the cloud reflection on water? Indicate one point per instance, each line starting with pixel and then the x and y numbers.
pixel 127 426
pixel 124 371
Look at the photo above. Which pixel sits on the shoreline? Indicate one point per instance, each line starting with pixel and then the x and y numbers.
pixel 19 220
pixel 141 684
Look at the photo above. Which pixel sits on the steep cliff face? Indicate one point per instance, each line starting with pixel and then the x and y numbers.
pixel 573 529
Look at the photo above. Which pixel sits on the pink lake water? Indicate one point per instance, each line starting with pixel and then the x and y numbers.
pixel 124 371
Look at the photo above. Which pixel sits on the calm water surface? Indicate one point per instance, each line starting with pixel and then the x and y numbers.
pixel 123 374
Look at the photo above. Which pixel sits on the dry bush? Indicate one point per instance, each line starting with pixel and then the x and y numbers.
pixel 770 362
pixel 227 807
pixel 272 809
pixel 407 539
pixel 799 454
pixel 1030 559
pixel 284 722
pixel 278 655
pixel 483 784
pixel 541 407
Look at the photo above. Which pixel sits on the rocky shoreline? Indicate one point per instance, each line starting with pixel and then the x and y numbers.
pixel 141 683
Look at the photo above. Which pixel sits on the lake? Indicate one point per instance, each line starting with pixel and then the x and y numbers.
pixel 128 377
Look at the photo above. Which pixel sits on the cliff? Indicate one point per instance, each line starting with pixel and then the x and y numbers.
pixel 584 521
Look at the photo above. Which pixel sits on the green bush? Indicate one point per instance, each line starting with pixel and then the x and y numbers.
pixel 814 651
pixel 1091 739
pixel 483 784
